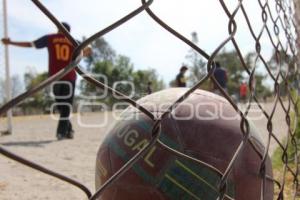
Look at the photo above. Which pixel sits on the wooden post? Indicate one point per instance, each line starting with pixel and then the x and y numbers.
pixel 7 69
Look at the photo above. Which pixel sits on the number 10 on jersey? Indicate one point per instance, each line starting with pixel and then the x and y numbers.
pixel 62 52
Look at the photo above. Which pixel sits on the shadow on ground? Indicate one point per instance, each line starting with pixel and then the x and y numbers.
pixel 29 143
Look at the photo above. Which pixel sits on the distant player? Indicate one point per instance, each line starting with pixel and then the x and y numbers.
pixel 243 92
pixel 220 75
pixel 60 51
pixel 149 87
pixel 180 78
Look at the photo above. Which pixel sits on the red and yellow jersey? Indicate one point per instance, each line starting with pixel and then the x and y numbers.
pixel 60 51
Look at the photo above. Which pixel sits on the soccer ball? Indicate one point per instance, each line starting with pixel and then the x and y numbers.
pixel 204 126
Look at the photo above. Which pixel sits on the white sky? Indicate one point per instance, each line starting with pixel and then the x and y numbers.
pixel 141 39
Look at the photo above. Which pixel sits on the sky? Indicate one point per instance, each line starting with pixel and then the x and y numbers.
pixel 141 39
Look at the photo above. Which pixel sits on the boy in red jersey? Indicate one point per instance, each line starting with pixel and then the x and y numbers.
pixel 243 92
pixel 60 51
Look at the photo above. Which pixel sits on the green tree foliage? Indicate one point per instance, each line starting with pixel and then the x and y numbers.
pixel 102 51
pixel 285 64
pixel 32 78
pixel 262 90
pixel 98 70
pixel 237 74
pixel 230 61
pixel 118 72
pixel 141 78
pixel 40 101
pixel 122 70
pixel 109 73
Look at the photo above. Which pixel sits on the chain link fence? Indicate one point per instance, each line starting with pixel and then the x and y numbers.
pixel 278 25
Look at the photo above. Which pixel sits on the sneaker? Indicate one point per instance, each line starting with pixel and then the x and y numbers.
pixel 59 136
pixel 70 135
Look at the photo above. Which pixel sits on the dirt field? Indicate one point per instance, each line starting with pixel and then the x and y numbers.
pixel 34 138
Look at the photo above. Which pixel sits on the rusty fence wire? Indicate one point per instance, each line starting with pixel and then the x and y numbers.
pixel 280 27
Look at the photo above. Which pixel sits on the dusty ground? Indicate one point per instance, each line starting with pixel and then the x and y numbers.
pixel 34 139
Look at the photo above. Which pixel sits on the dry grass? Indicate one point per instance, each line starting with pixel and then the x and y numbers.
pixel 278 173
pixel 289 190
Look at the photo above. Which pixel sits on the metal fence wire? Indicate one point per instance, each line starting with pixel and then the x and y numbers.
pixel 282 23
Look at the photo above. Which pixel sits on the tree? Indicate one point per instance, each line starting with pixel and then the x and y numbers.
pixel 17 87
pixel 116 71
pixel 101 71
pixel 233 65
pixel 108 72
pixel 102 51
pixel 40 101
pixel 230 61
pixel 141 78
pixel 196 63
pixel 285 64
pixel 237 74
pixel 120 75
